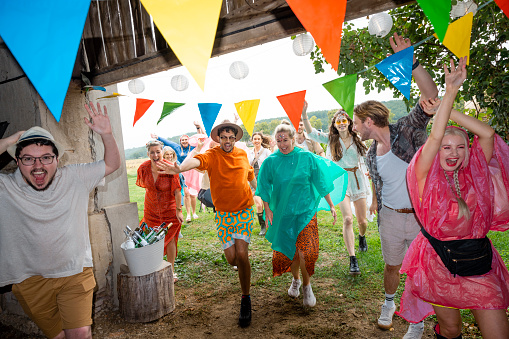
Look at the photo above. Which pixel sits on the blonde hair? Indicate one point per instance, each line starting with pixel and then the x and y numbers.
pixel 453 130
pixel 153 143
pixel 168 149
pixel 285 128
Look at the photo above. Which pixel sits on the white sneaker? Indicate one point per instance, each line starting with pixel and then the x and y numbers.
pixel 180 235
pixel 188 219
pixel 415 331
pixel 385 320
pixel 195 216
pixel 309 297
pixel 293 291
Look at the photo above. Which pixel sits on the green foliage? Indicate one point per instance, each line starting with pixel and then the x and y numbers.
pixel 488 80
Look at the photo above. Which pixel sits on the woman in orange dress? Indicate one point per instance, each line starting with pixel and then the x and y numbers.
pixel 162 198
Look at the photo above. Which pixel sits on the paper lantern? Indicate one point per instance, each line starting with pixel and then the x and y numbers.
pixel 179 82
pixel 239 70
pixel 461 8
pixel 303 44
pixel 136 86
pixel 380 24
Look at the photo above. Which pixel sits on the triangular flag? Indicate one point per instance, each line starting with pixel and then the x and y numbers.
pixel 437 12
pixel 324 20
pixel 247 111
pixel 504 6
pixel 292 104
pixel 44 37
pixel 457 38
pixel 189 27
pixel 343 90
pixel 113 95
pixel 398 69
pixel 209 112
pixel 168 108
pixel 141 107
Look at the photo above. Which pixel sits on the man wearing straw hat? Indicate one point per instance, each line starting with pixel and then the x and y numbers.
pixel 44 238
pixel 230 174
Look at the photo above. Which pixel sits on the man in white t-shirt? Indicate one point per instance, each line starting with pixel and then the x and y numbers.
pixel 44 237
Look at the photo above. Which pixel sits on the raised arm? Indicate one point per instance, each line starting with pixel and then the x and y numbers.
pixel 199 128
pixel 453 81
pixel 304 118
pixel 166 142
pixel 11 140
pixel 424 81
pixel 100 123
pixel 484 131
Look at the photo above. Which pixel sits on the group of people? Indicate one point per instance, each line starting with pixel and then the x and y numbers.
pixel 449 262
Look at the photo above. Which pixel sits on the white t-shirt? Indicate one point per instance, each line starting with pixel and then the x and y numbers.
pixel 46 232
pixel 393 173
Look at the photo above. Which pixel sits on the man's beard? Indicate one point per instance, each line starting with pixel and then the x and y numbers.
pixel 36 188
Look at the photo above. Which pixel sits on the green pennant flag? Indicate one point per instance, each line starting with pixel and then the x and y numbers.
pixel 168 109
pixel 343 90
pixel 437 12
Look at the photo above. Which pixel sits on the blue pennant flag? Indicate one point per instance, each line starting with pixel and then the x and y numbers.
pixel 398 69
pixel 44 37
pixel 209 112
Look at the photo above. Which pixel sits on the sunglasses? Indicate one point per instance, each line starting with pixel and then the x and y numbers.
pixel 341 121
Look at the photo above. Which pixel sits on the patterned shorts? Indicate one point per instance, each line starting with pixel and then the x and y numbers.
pixel 234 225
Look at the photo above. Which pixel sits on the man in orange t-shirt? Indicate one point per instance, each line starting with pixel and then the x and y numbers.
pixel 230 175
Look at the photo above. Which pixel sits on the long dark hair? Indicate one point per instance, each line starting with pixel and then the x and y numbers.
pixel 334 144
pixel 265 139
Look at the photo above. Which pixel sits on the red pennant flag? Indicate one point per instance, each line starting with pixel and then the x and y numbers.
pixel 142 105
pixel 324 20
pixel 293 104
pixel 504 6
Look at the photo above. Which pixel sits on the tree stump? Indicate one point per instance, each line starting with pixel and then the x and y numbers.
pixel 148 297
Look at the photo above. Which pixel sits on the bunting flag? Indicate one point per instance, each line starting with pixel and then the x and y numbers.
pixel 189 27
pixel 437 12
pixel 168 108
pixel 95 88
pixel 247 111
pixel 343 90
pixel 324 20
pixel 457 38
pixel 112 95
pixel 43 37
pixel 209 112
pixel 504 6
pixel 142 105
pixel 398 69
pixel 293 104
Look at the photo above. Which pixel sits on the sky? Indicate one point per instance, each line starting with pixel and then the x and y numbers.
pixel 274 69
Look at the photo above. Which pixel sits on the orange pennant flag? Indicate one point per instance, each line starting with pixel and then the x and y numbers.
pixel 142 105
pixel 324 20
pixel 293 104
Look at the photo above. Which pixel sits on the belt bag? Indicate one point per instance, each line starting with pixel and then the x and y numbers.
pixel 465 257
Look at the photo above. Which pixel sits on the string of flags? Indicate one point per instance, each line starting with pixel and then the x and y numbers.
pixel 189 29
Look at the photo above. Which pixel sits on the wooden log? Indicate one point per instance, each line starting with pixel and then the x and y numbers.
pixel 148 297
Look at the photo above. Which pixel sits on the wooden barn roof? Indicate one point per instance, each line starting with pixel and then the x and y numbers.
pixel 120 41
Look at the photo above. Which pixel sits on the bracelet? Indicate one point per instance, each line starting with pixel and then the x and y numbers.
pixel 415 65
pixel 178 209
pixel 304 119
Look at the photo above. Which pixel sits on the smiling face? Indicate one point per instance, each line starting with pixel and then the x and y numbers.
pixel 301 128
pixel 452 152
pixel 184 141
pixel 285 143
pixel 170 155
pixel 155 153
pixel 341 122
pixel 257 140
pixel 227 141
pixel 38 176
pixel 361 128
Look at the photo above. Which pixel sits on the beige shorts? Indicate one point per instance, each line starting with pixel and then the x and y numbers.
pixel 397 231
pixel 55 304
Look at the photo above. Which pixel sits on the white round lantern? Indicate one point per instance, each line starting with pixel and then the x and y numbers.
pixel 462 8
pixel 179 82
pixel 136 86
pixel 303 44
pixel 239 70
pixel 380 24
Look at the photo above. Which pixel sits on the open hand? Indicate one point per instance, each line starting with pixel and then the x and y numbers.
pixel 430 106
pixel 153 135
pixel 99 122
pixel 165 167
pixel 456 75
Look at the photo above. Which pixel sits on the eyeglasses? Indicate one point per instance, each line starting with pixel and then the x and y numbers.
pixel 45 160
pixel 227 138
pixel 341 121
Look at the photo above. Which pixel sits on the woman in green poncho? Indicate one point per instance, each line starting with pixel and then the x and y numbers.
pixel 291 183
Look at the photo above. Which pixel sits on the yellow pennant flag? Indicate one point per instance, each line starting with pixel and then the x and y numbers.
pixel 189 27
pixel 247 111
pixel 457 37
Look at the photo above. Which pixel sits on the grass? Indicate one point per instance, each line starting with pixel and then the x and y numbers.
pixel 200 261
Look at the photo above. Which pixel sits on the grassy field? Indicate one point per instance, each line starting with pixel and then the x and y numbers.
pixel 200 262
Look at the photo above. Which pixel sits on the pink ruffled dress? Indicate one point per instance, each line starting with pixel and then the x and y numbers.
pixel 485 190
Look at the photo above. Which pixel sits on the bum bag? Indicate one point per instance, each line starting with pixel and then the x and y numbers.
pixel 464 257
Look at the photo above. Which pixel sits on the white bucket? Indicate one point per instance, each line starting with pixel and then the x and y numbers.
pixel 145 260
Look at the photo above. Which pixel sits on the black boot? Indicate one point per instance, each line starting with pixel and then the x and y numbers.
pixel 439 336
pixel 354 266
pixel 263 228
pixel 245 311
pixel 363 245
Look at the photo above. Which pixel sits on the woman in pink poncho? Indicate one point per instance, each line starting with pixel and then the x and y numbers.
pixel 457 193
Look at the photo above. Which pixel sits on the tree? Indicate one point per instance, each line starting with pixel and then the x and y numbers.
pixel 488 80
pixel 315 122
